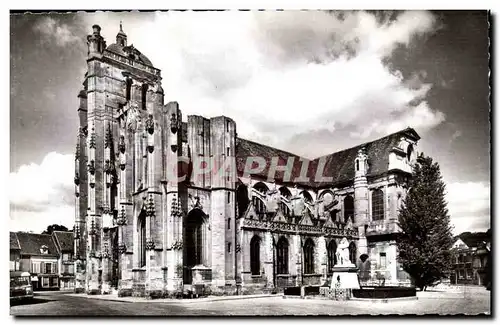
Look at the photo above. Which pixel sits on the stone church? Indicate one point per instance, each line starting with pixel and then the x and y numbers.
pixel 142 233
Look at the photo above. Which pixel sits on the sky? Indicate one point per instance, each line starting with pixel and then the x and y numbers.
pixel 309 82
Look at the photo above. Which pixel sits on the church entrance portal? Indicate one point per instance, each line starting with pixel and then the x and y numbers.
pixel 195 240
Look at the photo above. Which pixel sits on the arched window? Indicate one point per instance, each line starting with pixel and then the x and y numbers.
pixel 332 257
pixel 242 199
pixel 377 204
pixel 352 252
pixel 307 197
pixel 282 267
pixel 142 239
pixel 285 192
pixel 285 209
pixel 261 187
pixel 255 255
pixel 309 257
pixel 259 206
pixel 348 208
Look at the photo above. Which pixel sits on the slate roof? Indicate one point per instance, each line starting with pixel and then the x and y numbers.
pixel 14 241
pixel 246 148
pixel 339 165
pixel 64 240
pixel 31 243
pixel 120 50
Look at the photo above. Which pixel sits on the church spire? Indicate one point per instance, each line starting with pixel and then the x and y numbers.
pixel 121 37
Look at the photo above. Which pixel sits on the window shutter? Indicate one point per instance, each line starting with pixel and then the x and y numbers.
pixel 42 267
pixel 55 268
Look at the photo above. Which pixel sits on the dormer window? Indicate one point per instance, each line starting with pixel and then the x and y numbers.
pixel 44 249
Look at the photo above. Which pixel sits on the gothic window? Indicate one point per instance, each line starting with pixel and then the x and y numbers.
pixel 352 252
pixel 242 199
pixel 142 240
pixel 285 192
pixel 285 209
pixel 282 267
pixel 255 255
pixel 332 257
pixel 357 165
pixel 307 197
pixel 259 206
pixel 261 187
pixel 377 205
pixel 309 257
pixel 348 208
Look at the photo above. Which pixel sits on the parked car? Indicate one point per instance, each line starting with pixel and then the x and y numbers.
pixel 20 286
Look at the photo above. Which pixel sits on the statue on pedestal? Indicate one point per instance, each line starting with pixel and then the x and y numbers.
pixel 343 253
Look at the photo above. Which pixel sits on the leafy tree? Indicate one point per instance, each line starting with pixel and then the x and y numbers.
pixel 426 238
pixel 50 229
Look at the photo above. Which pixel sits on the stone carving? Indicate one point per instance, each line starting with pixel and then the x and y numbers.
pixel 91 167
pixel 174 123
pixel 134 119
pixel 92 139
pixel 121 144
pixel 150 208
pixel 122 248
pixel 294 228
pixel 108 139
pixel 343 253
pixel 150 245
pixel 177 245
pixel 122 217
pixel 150 124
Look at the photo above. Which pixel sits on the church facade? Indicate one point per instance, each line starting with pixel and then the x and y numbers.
pixel 270 220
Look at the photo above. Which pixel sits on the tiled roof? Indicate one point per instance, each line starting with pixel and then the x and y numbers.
pixel 338 165
pixel 14 242
pixel 31 244
pixel 64 240
pixel 474 239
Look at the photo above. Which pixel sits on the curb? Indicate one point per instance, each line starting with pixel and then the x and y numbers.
pixel 384 300
pixel 182 301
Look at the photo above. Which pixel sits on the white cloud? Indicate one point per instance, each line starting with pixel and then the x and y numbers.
pixel 469 205
pixel 42 194
pixel 294 71
pixel 61 34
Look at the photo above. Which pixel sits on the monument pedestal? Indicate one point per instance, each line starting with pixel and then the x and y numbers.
pixel 345 277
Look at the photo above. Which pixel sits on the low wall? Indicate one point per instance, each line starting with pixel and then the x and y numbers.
pixel 384 292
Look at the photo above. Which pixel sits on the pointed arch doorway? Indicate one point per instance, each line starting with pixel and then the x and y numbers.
pixel 195 242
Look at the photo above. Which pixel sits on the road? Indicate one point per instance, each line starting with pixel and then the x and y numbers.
pixel 61 304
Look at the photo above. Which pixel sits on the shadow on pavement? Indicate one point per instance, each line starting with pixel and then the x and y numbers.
pixel 33 301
